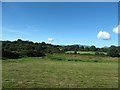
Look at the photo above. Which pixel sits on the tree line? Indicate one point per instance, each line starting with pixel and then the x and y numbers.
pixel 20 48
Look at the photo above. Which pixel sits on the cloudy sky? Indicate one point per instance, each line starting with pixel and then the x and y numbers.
pixel 62 23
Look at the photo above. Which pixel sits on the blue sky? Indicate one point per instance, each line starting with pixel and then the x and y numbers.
pixel 61 23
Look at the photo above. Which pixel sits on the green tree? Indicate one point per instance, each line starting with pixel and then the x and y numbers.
pixel 92 48
pixel 82 48
pixel 86 48
pixel 113 51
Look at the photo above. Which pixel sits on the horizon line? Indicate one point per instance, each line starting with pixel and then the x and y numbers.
pixel 61 44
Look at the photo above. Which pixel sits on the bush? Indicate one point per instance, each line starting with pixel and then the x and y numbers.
pixel 75 52
pixel 95 60
pixel 59 59
pixel 99 53
pixel 10 54
pixel 113 51
pixel 32 53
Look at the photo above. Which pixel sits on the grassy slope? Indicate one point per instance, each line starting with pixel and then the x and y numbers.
pixel 46 73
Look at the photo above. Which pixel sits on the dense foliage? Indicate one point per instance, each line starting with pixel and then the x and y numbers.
pixel 20 48
pixel 114 51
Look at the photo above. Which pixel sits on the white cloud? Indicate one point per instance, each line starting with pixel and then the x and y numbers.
pixel 50 39
pixel 103 35
pixel 117 29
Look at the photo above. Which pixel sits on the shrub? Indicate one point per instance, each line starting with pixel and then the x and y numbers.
pixel 99 53
pixel 95 60
pixel 75 52
pixel 10 54
pixel 113 51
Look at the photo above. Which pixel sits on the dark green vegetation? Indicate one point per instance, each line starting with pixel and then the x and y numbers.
pixel 26 49
pixel 61 71
pixel 20 48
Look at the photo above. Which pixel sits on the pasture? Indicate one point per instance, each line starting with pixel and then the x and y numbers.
pixel 85 52
pixel 61 71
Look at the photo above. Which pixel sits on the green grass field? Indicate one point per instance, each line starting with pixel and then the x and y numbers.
pixel 85 52
pixel 61 71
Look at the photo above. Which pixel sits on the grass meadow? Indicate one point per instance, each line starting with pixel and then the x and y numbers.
pixel 61 71
pixel 85 52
